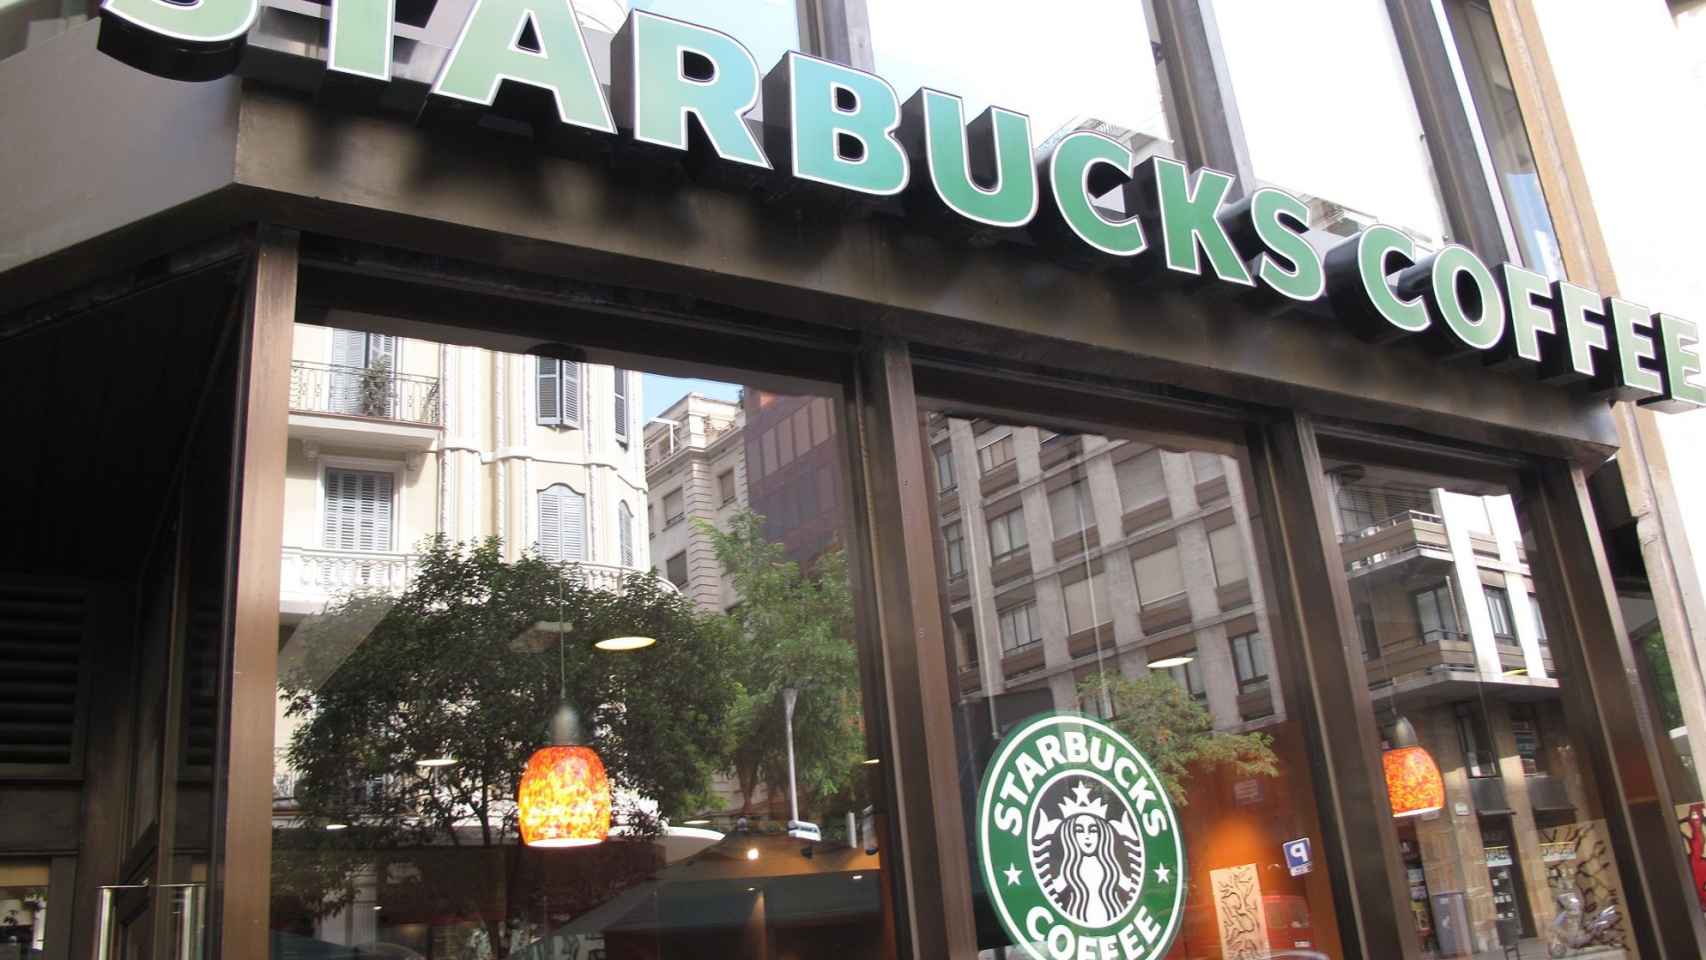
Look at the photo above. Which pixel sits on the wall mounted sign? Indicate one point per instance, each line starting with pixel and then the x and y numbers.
pixel 682 91
pixel 1080 849
pixel 1240 912
pixel 1298 858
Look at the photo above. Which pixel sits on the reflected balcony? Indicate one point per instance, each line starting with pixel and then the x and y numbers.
pixel 311 578
pixel 368 407
pixel 1406 545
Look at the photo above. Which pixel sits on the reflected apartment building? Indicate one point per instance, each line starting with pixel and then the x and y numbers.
pixel 394 441
pixel 695 471
pixel 1065 555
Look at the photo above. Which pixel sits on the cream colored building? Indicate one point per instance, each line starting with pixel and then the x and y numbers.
pixel 394 440
pixel 696 470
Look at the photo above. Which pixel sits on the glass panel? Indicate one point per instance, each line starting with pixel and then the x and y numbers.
pixel 1362 78
pixel 1067 509
pixel 1506 136
pixel 1091 69
pixel 1500 824
pixel 1128 625
pixel 718 796
pixel 1227 546
pixel 23 910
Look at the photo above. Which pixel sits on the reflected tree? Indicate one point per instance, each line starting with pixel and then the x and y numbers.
pixel 457 668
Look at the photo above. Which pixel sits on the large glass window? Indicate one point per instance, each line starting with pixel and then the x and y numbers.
pixel 1128 620
pixel 1356 88
pixel 501 734
pixel 1499 817
pixel 1504 136
pixel 1090 66
pixel 1007 535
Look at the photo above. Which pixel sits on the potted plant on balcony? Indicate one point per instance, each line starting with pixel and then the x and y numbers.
pixel 374 391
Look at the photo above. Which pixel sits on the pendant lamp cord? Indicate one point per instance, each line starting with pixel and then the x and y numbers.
pixel 562 669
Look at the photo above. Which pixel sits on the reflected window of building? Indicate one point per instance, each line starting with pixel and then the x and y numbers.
pixel 1067 509
pixel 619 415
pixel 726 487
pixel 1141 480
pixel 945 478
pixel 1436 613
pixel 1250 660
pixel 995 449
pixel 674 507
pixel 625 533
pixel 1007 536
pixel 562 523
pixel 1086 603
pixel 558 392
pixel 1159 576
pixel 1206 466
pixel 1503 134
pixel 1226 546
pixel 954 547
pixel 1189 676
pixel 1478 757
pixel 1366 630
pixel 358 510
pixel 1019 626
pixel 1499 609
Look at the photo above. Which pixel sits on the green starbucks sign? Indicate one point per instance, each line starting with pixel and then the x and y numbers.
pixel 1080 849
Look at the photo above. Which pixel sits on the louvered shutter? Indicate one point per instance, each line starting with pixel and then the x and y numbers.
pixel 574 525
pixel 358 514
pixel 548 386
pixel 550 524
pixel 349 357
pixel 621 404
pixel 625 533
pixel 571 394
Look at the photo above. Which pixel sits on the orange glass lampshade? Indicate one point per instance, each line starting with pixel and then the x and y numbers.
pixel 1412 777
pixel 564 798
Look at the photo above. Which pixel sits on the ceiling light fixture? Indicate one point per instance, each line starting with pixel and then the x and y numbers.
pixel 624 644
pixel 1166 663
pixel 564 798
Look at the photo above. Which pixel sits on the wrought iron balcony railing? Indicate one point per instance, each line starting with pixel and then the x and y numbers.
pixel 374 392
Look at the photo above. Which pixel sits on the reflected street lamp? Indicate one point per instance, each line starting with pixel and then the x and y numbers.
pixel 789 696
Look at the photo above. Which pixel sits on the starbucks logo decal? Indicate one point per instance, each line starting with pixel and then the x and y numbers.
pixel 1080 848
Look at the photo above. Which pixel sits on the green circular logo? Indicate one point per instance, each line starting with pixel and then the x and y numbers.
pixel 1080 847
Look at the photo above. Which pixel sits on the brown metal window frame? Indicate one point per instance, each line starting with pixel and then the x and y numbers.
pixel 901 616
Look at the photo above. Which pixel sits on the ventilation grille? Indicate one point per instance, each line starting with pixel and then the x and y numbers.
pixel 41 672
pixel 201 688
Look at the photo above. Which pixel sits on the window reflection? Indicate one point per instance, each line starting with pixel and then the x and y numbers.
pixel 1516 857
pixel 453 582
pixel 1109 574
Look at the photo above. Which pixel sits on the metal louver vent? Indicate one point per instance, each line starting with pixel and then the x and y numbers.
pixel 41 678
pixel 201 687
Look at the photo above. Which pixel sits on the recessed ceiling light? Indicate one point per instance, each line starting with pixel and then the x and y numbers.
pixel 623 644
pixel 695 823
pixel 873 761
pixel 858 876
pixel 337 826
pixel 1167 662
pixel 435 762
pixel 752 853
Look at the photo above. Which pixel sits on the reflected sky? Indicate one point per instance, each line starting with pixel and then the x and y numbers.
pixel 658 392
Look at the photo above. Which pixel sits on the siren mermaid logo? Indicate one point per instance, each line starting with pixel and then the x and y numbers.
pixel 1079 845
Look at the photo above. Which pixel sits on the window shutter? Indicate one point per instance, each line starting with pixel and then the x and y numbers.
pixel 548 388
pixel 550 525
pixel 571 394
pixel 358 510
pixel 574 524
pixel 621 398
pixel 625 533
pixel 349 357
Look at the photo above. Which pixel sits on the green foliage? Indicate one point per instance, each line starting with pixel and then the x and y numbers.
pixel 374 388
pixel 791 629
pixel 455 667
pixel 1176 733
pixel 1664 681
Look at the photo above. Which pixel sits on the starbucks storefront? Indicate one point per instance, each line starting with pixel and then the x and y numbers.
pixel 546 480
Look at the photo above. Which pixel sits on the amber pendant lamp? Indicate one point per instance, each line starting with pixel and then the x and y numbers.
pixel 1413 781
pixel 564 798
